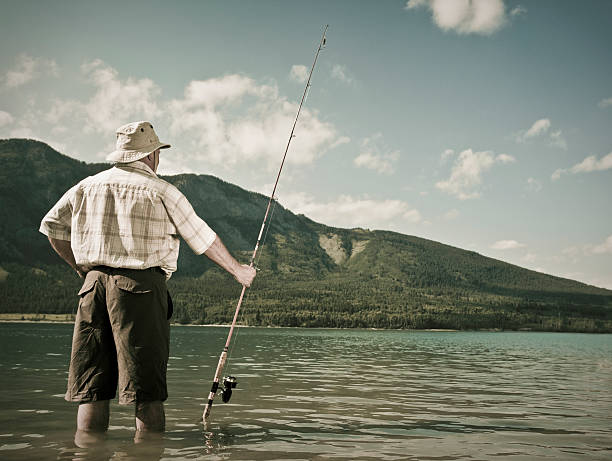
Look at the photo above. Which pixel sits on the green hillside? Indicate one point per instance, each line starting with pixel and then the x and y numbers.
pixel 310 274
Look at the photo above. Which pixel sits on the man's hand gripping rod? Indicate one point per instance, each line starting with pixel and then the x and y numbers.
pixel 223 357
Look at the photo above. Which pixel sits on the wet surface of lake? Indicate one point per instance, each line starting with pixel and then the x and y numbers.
pixel 332 394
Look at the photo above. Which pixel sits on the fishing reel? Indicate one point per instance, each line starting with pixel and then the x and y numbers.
pixel 229 383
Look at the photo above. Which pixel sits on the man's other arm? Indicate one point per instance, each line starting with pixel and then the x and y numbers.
pixel 56 226
pixel 217 253
pixel 62 248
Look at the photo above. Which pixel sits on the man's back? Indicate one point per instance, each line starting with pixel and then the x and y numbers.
pixel 128 217
pixel 120 219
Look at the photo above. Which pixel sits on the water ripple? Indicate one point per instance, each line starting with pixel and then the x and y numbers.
pixel 354 395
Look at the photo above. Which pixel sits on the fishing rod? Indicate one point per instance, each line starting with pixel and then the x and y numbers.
pixel 230 382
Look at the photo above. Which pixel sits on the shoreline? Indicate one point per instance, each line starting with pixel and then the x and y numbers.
pixel 68 319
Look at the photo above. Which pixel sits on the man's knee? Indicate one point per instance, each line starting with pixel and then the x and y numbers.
pixel 150 416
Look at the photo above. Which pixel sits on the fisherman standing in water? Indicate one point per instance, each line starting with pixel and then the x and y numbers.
pixel 119 231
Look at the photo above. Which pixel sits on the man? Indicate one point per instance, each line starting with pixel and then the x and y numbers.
pixel 119 231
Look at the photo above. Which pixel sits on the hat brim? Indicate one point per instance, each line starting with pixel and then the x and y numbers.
pixel 128 156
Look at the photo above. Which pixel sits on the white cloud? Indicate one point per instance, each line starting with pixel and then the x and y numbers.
pixel 505 158
pixel 413 215
pixel 23 126
pixel 341 140
pixel 541 128
pixel 61 109
pixel 577 252
pixel 348 211
pixel 588 165
pixel 28 68
pixel 217 123
pixel 299 73
pixel 507 245
pixel 605 103
pixel 605 247
pixel 410 4
pixel 448 153
pixel 518 10
pixel 113 103
pixel 466 174
pixel 372 157
pixel 451 214
pixel 591 163
pixel 5 118
pixel 482 17
pixel 223 91
pixel 30 125
pixel 572 252
pixel 233 119
pixel 557 140
pixel 557 174
pixel 22 131
pixel 116 101
pixel 375 162
pixel 529 257
pixel 341 73
pixel 534 185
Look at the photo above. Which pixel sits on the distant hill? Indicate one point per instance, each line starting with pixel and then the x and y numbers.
pixel 311 274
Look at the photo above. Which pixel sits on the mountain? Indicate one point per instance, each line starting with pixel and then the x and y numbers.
pixel 310 274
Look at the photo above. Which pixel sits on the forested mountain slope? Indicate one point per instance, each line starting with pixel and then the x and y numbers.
pixel 311 274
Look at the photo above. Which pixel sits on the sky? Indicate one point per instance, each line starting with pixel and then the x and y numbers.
pixel 482 124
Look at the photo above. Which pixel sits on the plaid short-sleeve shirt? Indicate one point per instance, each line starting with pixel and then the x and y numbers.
pixel 127 217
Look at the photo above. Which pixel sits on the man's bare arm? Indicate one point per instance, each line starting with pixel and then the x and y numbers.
pixel 62 248
pixel 217 253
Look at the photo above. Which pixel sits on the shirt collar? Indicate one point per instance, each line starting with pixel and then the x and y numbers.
pixel 137 165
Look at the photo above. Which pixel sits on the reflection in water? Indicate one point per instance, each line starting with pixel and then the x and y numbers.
pixel 314 394
pixel 106 451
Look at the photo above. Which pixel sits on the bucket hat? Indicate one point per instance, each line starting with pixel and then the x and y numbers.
pixel 135 140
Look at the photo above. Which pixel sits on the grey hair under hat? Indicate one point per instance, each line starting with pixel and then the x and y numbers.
pixel 135 140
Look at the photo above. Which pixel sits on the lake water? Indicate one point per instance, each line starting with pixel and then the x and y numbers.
pixel 332 394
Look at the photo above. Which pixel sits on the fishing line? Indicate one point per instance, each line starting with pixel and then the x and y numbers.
pixel 229 382
pixel 246 296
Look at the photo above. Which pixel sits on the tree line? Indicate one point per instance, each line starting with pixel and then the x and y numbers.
pixel 334 301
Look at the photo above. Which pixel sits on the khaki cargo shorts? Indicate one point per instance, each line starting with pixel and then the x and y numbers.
pixel 121 337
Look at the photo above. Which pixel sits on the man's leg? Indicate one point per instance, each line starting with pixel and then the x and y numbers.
pixel 93 416
pixel 138 308
pixel 149 435
pixel 150 416
pixel 92 377
pixel 92 423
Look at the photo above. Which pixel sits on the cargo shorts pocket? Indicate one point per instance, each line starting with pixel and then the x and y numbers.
pixel 87 293
pixel 132 285
pixel 88 285
pixel 89 321
pixel 138 292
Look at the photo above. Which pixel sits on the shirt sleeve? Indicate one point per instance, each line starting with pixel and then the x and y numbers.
pixel 198 235
pixel 57 222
